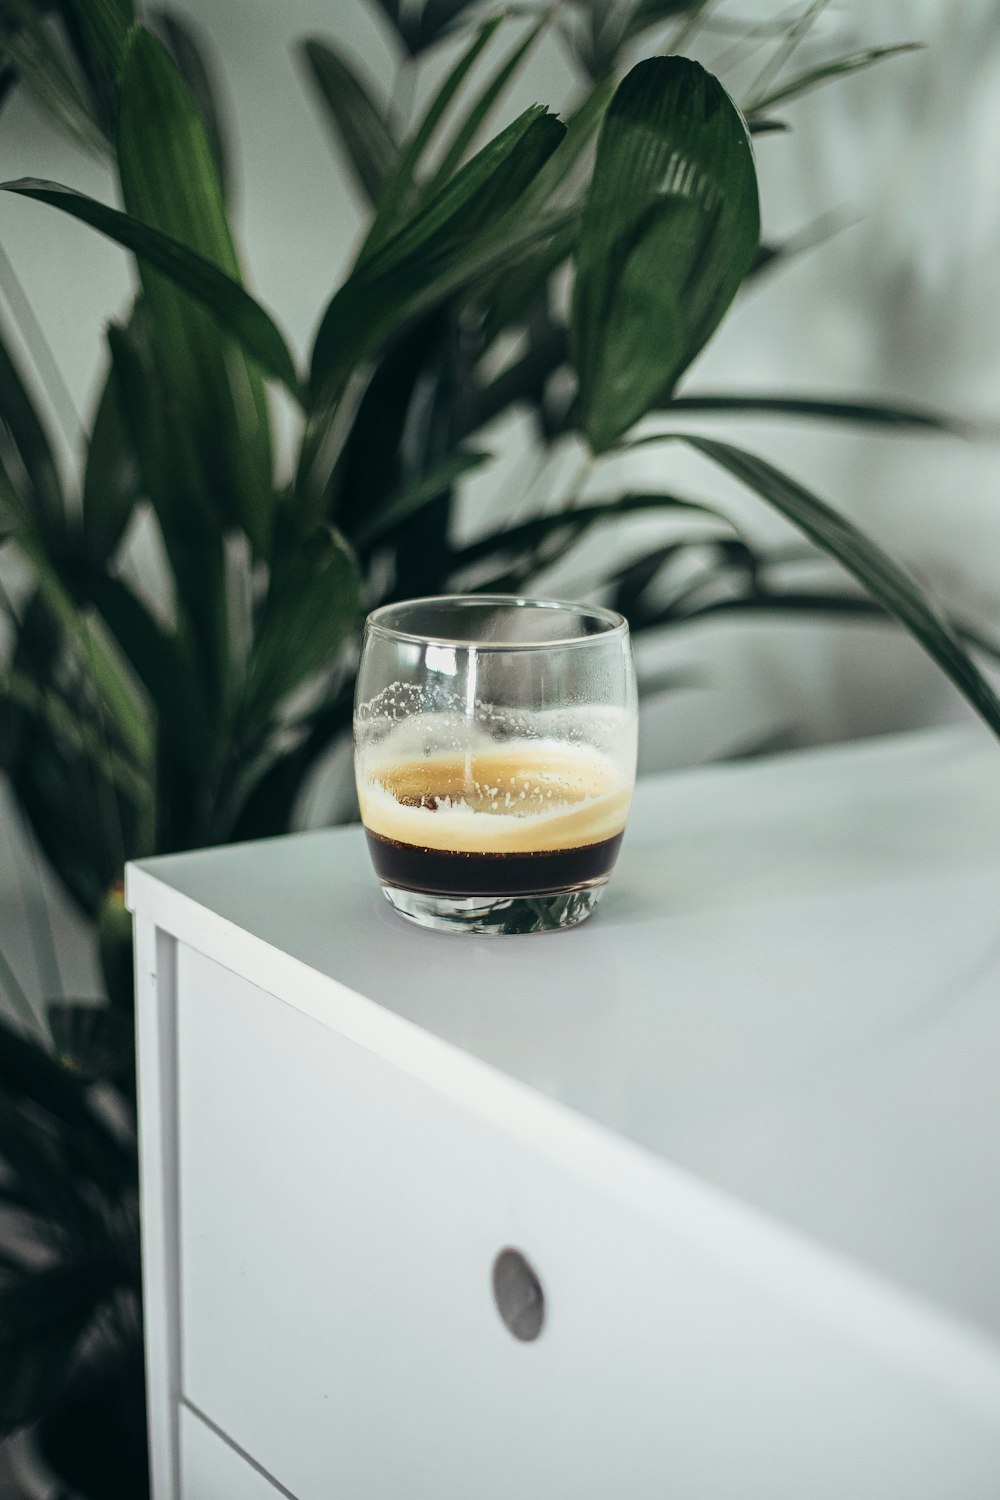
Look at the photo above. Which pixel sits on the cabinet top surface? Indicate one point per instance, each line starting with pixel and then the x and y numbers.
pixel 792 988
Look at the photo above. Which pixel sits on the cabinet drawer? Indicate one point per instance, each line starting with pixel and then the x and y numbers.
pixel 212 1469
pixel 339 1223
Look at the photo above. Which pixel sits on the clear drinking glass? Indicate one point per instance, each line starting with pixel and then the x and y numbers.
pixel 494 752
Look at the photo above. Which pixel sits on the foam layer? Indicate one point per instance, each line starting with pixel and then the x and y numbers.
pixel 523 798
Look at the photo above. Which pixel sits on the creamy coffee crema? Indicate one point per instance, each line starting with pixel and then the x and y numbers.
pixel 524 797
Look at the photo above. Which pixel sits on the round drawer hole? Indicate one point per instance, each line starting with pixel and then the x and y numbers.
pixel 518 1294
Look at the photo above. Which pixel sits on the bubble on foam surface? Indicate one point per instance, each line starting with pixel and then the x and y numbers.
pixel 443 718
pixel 439 773
pixel 520 797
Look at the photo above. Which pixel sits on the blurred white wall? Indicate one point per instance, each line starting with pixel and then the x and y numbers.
pixel 904 302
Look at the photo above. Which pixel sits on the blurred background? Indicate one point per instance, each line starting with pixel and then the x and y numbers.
pixel 892 171
pixel 887 185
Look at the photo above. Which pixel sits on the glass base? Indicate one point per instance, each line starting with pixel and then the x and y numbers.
pixel 496 916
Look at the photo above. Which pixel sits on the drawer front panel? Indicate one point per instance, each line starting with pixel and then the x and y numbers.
pixel 212 1469
pixel 339 1224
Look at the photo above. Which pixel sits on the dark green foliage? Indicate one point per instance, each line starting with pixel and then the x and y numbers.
pixel 825 409
pixel 138 720
pixel 194 65
pixel 25 449
pixel 670 231
pixel 361 125
pixel 888 584
pixel 163 255
pixel 399 277
pixel 812 78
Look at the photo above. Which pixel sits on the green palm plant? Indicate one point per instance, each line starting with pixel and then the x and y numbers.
pixel 129 729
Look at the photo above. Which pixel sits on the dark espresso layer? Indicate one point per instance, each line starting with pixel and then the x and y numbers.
pixel 444 873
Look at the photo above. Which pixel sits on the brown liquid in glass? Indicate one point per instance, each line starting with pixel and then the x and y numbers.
pixel 519 821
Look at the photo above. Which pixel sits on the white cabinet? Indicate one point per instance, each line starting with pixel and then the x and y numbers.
pixel 743 1126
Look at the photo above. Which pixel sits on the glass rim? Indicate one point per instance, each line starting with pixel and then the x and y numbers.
pixel 615 624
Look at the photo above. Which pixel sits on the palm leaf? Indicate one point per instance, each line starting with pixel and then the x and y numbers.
pixel 97 30
pixel 561 527
pixel 361 127
pixel 888 414
pixel 413 498
pixel 80 822
pixel 170 183
pixel 111 479
pixel 470 227
pixel 174 480
pixel 310 609
pixel 670 230
pixel 96 655
pixel 485 103
pixel 888 583
pixel 229 304
pixel 25 437
pixel 60 719
pixel 397 192
pixel 812 78
pixel 189 52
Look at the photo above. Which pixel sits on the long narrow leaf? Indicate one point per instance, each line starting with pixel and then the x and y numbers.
pixel 25 430
pixel 437 18
pixel 887 414
pixel 885 580
pixel 81 824
pixel 523 381
pixel 96 656
pixel 793 36
pixel 375 462
pixel 230 305
pixel 31 48
pixel 107 23
pixel 360 126
pixel 169 182
pixel 98 30
pixel 813 77
pixel 57 718
pixel 829 605
pixel 310 609
pixel 581 128
pixel 15 995
pixel 160 662
pixel 392 284
pixel 111 483
pixel 571 524
pixel 488 98
pixel 825 602
pixel 174 481
pixel 507 246
pixel 415 497
pixel 393 201
pixel 189 52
